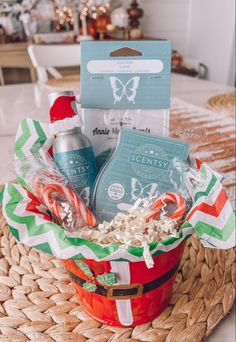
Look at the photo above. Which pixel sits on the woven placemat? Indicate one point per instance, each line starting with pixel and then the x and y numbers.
pixel 38 302
pixel 212 139
pixel 223 103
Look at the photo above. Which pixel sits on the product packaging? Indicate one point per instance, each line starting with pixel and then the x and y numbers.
pixel 124 84
pixel 139 168
pixel 72 150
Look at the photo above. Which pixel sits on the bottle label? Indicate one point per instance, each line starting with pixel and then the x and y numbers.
pixel 79 168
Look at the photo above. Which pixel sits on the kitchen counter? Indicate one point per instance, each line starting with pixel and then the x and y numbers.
pixel 19 101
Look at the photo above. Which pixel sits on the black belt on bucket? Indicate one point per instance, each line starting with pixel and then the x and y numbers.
pixel 128 291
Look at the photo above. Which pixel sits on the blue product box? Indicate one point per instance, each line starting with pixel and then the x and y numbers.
pixel 125 74
pixel 141 167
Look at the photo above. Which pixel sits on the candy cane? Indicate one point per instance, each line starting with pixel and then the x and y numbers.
pixel 39 184
pixel 44 178
pixel 167 198
pixel 46 193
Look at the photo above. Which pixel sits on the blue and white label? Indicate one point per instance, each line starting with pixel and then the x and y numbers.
pixel 124 66
pixel 127 82
pixel 79 168
pixel 148 159
pixel 116 191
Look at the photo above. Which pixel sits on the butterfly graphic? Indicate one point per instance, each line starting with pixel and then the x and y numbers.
pixel 120 89
pixel 137 191
pixel 84 195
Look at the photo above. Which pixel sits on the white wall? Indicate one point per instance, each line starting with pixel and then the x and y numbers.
pixel 166 19
pixel 212 37
pixel 200 29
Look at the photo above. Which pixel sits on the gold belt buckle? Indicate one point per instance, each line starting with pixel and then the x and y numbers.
pixel 111 289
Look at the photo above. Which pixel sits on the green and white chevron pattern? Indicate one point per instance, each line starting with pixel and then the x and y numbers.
pixel 30 224
pixel 33 140
pixel 211 216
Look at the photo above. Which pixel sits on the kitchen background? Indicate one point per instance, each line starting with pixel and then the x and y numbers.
pixel 202 31
pixel 202 112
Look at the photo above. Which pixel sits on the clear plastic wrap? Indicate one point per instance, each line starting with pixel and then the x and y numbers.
pixel 103 126
pixel 190 179
pixel 52 189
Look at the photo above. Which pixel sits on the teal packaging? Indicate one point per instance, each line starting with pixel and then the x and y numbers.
pixel 74 158
pixel 124 84
pixel 139 168
pixel 79 169
pixel 125 74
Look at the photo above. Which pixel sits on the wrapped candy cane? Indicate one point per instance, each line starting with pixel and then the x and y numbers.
pixel 161 202
pixel 62 201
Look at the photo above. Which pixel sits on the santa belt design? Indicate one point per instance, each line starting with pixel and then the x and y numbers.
pixel 128 291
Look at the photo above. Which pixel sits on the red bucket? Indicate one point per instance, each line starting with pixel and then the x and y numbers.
pixel 140 294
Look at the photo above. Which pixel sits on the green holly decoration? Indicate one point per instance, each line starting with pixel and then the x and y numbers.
pixel 84 268
pixel 107 279
pixel 90 287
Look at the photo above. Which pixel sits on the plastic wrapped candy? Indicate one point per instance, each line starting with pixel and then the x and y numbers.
pixel 51 188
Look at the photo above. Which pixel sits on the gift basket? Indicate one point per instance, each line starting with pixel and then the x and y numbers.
pixel 120 232
pixel 128 281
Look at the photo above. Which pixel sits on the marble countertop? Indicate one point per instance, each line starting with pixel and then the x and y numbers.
pixel 19 101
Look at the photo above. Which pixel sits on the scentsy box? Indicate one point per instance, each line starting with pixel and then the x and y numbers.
pixel 125 74
pixel 124 84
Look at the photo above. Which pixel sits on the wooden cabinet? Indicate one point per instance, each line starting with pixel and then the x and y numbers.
pixel 15 55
